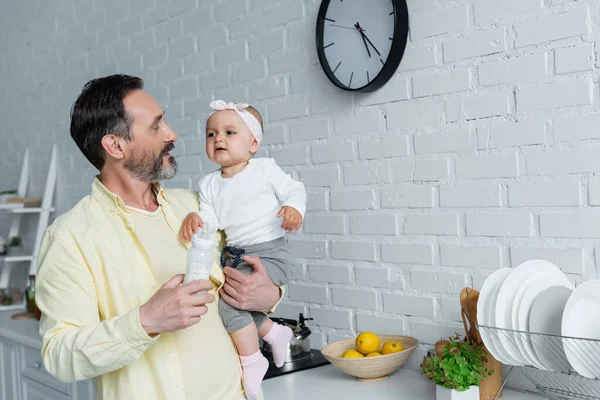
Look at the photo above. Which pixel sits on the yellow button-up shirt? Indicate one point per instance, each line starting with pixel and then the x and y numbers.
pixel 93 276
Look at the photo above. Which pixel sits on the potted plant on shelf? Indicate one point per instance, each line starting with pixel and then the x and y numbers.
pixel 15 245
pixel 457 367
pixel 5 194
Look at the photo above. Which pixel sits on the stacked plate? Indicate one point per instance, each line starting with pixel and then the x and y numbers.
pixel 581 319
pixel 532 298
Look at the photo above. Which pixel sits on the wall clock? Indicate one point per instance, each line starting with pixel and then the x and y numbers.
pixel 360 43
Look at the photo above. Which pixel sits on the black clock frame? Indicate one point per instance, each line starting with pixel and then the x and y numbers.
pixel 396 52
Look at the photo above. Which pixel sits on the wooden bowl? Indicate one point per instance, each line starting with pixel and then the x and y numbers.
pixel 369 368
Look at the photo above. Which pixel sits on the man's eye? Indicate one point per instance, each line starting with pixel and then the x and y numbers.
pixel 155 128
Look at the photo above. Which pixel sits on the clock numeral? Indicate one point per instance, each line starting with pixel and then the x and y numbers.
pixel 351 75
pixel 330 44
pixel 368 79
pixel 337 67
pixel 393 12
pixel 382 63
pixel 391 38
pixel 329 19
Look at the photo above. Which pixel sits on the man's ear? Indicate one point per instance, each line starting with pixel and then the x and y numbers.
pixel 114 146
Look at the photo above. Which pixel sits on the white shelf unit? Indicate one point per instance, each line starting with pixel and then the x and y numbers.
pixel 10 261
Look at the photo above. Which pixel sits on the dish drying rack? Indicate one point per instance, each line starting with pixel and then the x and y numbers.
pixel 552 384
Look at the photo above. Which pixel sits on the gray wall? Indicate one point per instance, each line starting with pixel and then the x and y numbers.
pixel 480 153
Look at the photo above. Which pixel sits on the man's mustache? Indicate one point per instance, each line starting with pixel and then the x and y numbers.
pixel 167 149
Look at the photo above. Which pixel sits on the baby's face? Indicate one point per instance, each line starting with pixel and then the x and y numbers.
pixel 228 139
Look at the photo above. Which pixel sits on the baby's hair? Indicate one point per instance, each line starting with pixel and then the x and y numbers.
pixel 256 115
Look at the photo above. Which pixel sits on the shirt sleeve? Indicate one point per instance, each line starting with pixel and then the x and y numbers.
pixel 289 191
pixel 281 294
pixel 76 343
pixel 207 208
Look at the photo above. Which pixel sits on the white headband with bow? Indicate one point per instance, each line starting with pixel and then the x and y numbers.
pixel 245 115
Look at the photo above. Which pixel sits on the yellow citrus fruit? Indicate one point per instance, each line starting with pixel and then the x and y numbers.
pixel 352 353
pixel 367 342
pixel 393 346
pixel 374 354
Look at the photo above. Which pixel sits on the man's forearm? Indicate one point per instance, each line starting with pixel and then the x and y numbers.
pixel 77 353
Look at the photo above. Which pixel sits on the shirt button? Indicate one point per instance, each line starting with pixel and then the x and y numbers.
pixel 153 286
pixel 178 385
pixel 170 353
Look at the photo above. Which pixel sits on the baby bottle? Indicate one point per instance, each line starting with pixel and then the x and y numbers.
pixel 200 256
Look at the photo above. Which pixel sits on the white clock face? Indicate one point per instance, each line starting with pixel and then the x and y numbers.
pixel 357 38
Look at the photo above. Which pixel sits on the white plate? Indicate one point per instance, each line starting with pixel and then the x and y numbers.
pixel 581 319
pixel 486 308
pixel 537 269
pixel 546 317
pixel 521 317
pixel 518 299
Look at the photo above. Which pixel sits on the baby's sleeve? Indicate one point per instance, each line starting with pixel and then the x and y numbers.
pixel 290 192
pixel 207 210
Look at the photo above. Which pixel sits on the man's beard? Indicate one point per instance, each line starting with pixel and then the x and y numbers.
pixel 148 168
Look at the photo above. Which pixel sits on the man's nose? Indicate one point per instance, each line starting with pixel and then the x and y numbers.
pixel 171 135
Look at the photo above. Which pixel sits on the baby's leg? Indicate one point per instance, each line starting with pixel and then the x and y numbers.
pixel 278 337
pixel 245 336
pixel 278 263
pixel 246 340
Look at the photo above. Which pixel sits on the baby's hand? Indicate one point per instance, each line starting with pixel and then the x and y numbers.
pixel 291 218
pixel 190 225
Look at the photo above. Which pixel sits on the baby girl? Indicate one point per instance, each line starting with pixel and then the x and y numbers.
pixel 254 201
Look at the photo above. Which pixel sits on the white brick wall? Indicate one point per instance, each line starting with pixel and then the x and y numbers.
pixel 479 106
pixel 471 256
pixel 470 196
pixel 480 153
pixel 426 24
pixel 553 27
pixel 574 59
pixel 454 80
pixel 511 135
pixel 521 68
pixel 572 92
pixel 489 42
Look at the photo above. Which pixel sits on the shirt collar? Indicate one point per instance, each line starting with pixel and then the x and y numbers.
pixel 114 202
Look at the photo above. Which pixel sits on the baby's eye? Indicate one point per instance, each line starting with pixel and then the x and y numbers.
pixel 230 132
pixel 210 135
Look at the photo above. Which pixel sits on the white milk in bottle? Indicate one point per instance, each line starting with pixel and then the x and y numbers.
pixel 200 256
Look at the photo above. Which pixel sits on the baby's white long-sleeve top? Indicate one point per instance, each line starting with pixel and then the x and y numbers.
pixel 245 206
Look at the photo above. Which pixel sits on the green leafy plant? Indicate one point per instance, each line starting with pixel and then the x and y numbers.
pixel 459 366
pixel 15 241
pixel 8 192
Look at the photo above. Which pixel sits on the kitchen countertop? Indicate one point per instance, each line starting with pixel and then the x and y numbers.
pixel 21 331
pixel 328 382
pixel 325 382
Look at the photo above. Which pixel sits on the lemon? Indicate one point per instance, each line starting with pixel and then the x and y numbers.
pixel 374 354
pixel 393 346
pixel 352 353
pixel 367 342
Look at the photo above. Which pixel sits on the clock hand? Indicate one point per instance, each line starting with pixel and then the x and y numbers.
pixel 357 26
pixel 346 27
pixel 367 38
pixel 375 48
